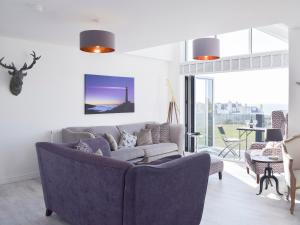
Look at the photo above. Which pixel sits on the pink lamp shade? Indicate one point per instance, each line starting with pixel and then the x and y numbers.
pixel 206 49
pixel 97 41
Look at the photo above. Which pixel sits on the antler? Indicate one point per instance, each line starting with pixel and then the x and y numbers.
pixel 35 58
pixel 10 67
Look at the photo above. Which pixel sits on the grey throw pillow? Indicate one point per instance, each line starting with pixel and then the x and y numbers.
pixel 164 133
pixel 144 137
pixel 155 132
pixel 112 142
pixel 127 140
pixel 83 147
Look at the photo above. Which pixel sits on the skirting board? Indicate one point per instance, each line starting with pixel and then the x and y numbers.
pixel 27 176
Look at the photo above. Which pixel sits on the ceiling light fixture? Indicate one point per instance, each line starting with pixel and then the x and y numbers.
pixel 97 41
pixel 206 49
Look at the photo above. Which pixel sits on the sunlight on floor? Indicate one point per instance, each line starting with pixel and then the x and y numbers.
pixel 237 170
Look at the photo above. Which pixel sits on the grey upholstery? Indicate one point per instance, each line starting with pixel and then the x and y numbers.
pixel 133 128
pixel 85 189
pixel 158 149
pixel 146 153
pixel 128 154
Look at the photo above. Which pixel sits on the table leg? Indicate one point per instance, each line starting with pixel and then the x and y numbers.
pixel 268 175
pixel 277 184
pixel 261 184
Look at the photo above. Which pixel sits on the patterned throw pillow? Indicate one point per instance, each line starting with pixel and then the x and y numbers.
pixel 144 137
pixel 83 147
pixel 112 142
pixel 98 152
pixel 127 140
pixel 165 133
pixel 155 132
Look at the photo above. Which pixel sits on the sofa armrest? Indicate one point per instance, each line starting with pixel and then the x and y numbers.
pixel 177 136
pixel 258 145
pixel 75 182
pixel 157 194
pixel 69 136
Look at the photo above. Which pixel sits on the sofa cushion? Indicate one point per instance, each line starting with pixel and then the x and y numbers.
pixel 155 132
pixel 83 147
pixel 132 128
pixel 158 149
pixel 101 130
pixel 127 140
pixel 144 137
pixel 165 133
pixel 99 143
pixel 126 154
pixel 112 142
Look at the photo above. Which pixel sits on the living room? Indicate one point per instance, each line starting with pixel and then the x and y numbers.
pixel 143 76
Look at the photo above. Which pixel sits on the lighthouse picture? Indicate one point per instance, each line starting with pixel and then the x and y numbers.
pixel 108 94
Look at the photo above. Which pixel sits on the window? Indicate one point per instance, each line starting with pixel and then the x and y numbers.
pixel 263 42
pixel 234 43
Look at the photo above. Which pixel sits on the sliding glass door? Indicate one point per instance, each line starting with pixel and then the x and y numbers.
pixel 204 105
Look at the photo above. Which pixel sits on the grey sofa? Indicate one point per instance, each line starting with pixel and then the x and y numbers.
pixel 146 153
pixel 85 189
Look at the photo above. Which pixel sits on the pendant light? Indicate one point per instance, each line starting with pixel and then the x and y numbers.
pixel 97 41
pixel 206 49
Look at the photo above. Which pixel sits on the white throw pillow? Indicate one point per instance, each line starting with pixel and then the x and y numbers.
pixel 127 140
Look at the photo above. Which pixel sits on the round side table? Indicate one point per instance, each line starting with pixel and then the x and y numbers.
pixel 268 175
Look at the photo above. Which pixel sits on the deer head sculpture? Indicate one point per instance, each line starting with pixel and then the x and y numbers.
pixel 16 81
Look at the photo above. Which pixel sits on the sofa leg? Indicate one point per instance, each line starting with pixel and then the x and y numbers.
pixel 248 171
pixel 48 212
pixel 220 175
pixel 257 178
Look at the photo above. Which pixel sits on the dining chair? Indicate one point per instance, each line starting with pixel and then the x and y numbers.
pixel 291 164
pixel 230 143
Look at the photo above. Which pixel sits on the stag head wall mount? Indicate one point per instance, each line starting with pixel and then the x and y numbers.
pixel 16 81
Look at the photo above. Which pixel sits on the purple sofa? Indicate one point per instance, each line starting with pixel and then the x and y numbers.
pixel 85 189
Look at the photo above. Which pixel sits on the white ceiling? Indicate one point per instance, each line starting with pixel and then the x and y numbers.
pixel 139 24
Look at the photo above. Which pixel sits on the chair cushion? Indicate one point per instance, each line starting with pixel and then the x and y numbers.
pixel 158 149
pixel 126 154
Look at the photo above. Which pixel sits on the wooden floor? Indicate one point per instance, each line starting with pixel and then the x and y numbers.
pixel 232 201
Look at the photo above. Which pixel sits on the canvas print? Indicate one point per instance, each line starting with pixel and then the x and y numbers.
pixel 108 94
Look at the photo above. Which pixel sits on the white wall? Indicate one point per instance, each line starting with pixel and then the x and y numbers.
pixel 53 98
pixel 294 89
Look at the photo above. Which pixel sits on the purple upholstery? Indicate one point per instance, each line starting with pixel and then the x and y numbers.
pixel 171 193
pixel 85 189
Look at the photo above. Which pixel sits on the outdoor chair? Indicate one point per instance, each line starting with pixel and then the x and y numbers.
pixel 230 143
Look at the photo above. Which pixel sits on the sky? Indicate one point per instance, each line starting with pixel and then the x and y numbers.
pixel 107 90
pixel 250 87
